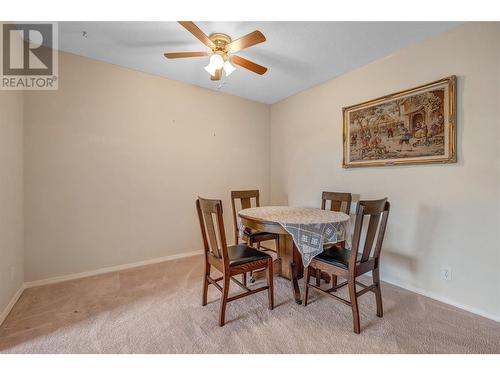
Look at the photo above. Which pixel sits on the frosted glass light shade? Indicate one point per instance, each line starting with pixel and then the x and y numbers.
pixel 216 62
pixel 228 68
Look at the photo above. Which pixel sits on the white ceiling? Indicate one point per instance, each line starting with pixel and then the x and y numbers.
pixel 299 55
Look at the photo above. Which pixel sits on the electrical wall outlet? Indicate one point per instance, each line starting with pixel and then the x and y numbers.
pixel 446 273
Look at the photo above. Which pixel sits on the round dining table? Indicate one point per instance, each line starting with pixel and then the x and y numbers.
pixel 302 232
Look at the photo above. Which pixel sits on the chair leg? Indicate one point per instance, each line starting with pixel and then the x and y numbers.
pixel 378 292
pixel 307 276
pixel 258 245
pixel 354 304
pixel 270 291
pixel 244 278
pixel 223 300
pixel 318 277
pixel 250 243
pixel 334 281
pixel 205 284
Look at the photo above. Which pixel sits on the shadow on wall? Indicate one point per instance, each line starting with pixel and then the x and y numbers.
pixel 399 260
pixel 427 220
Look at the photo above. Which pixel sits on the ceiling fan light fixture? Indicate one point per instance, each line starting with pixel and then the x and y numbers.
pixel 228 68
pixel 216 62
pixel 222 51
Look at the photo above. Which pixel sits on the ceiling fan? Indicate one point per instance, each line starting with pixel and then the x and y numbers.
pixel 222 51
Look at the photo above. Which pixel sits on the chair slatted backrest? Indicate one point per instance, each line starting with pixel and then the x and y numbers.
pixel 339 201
pixel 378 212
pixel 212 227
pixel 245 197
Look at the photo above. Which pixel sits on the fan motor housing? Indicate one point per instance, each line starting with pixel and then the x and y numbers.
pixel 220 40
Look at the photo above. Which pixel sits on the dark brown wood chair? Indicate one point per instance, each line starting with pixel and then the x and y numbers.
pixel 250 236
pixel 230 260
pixel 338 201
pixel 350 264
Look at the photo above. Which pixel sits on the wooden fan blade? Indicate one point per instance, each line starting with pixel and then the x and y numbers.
pixel 217 76
pixel 247 64
pixel 255 37
pixel 195 30
pixel 180 55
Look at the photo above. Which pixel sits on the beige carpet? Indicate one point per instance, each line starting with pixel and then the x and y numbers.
pixel 156 309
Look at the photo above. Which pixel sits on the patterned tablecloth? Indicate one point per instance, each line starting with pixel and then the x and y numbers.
pixel 310 228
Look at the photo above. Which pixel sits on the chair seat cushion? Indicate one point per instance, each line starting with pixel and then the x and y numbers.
pixel 335 255
pixel 242 254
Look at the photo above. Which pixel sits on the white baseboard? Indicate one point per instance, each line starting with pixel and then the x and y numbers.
pixel 11 303
pixel 442 299
pixel 100 271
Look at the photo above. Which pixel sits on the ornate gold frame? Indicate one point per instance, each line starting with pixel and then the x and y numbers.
pixel 452 144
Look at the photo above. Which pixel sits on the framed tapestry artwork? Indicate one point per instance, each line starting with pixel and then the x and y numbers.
pixel 416 126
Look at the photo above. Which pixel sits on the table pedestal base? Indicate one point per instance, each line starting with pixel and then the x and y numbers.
pixel 290 263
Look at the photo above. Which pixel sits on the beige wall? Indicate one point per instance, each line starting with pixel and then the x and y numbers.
pixel 442 215
pixel 116 158
pixel 114 161
pixel 11 195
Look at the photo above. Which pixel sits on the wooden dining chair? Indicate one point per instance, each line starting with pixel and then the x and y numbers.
pixel 350 264
pixel 338 201
pixel 250 236
pixel 335 202
pixel 230 260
